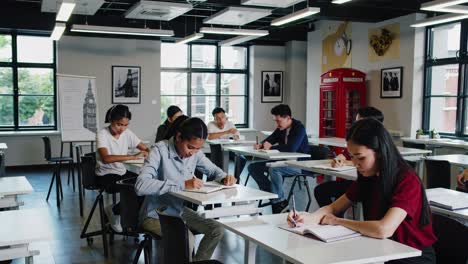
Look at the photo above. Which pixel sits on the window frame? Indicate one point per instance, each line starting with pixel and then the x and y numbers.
pixel 15 66
pixel 460 59
pixel 216 70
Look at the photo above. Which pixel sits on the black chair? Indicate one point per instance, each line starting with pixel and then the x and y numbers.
pixel 316 153
pixel 175 240
pixel 438 174
pixel 88 165
pixel 130 205
pixel 414 145
pixel 452 240
pixel 57 161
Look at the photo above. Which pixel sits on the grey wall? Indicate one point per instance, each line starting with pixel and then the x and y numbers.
pixel 402 114
pixel 295 80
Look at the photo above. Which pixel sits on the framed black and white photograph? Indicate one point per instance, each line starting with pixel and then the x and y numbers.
pixel 126 84
pixel 272 86
pixel 391 82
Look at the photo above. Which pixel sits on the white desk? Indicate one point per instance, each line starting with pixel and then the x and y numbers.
pixel 133 166
pixel 244 197
pixel 461 213
pixel 306 165
pixel 225 154
pixel 441 142
pixel 10 188
pixel 250 151
pixel 264 231
pixel 328 141
pixel 456 161
pixel 19 228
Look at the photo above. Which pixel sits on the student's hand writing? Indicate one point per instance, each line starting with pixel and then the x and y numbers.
pixel 295 220
pixel 329 219
pixel 267 145
pixel 140 155
pixel 236 137
pixel 338 161
pixel 229 180
pixel 232 131
pixel 462 177
pixel 258 146
pixel 193 183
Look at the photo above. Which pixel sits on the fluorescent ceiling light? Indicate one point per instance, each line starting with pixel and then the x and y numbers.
pixel 271 3
pixel 438 4
pixel 234 31
pixel 58 31
pixel 295 16
pixel 236 40
pixel 237 16
pixel 189 38
pixel 340 1
pixel 123 31
pixel 65 10
pixel 439 20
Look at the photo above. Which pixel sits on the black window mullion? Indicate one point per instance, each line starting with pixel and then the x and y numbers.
pixel 15 81
pixel 189 81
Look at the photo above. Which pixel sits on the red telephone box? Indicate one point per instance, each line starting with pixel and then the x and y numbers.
pixel 342 93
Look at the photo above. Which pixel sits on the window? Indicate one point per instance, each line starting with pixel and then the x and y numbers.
pixel 27 83
pixel 445 93
pixel 199 78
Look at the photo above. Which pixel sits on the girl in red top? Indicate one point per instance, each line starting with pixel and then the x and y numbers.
pixel 394 201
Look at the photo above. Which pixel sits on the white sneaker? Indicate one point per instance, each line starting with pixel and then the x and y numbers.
pixel 114 220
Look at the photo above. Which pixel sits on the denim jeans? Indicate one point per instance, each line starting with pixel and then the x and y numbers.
pixel 258 169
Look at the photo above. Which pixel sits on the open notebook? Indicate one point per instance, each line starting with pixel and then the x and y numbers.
pixel 135 161
pixel 326 233
pixel 450 202
pixel 325 166
pixel 268 151
pixel 210 187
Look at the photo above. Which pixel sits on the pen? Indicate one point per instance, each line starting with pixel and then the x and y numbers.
pixel 294 211
pixel 256 139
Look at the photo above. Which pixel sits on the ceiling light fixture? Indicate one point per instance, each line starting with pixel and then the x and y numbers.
pixel 271 3
pixel 65 10
pixel 236 40
pixel 123 31
pixel 189 38
pixel 439 20
pixel 339 2
pixel 457 9
pixel 295 16
pixel 234 31
pixel 440 4
pixel 58 31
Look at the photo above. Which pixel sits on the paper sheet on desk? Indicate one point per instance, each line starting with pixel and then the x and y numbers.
pixel 329 167
pixel 137 161
pixel 210 187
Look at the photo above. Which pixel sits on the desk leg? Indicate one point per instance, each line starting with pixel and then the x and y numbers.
pixel 249 252
pixel 226 161
pixel 237 171
pixel 454 171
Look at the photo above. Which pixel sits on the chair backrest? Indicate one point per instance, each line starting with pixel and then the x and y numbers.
pixel 216 155
pixel 174 238
pixel 130 205
pixel 319 152
pixel 413 145
pixel 438 174
pixel 452 240
pixel 47 149
pixel 88 166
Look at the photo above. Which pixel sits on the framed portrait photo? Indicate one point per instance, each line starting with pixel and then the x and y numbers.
pixel 272 86
pixel 126 84
pixel 391 82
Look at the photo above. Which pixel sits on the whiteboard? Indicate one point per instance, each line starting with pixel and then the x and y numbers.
pixel 78 107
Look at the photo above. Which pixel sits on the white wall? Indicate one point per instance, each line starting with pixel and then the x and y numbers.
pixel 402 114
pixel 295 78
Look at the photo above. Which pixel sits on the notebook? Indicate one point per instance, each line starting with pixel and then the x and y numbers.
pixel 329 167
pixel 449 202
pixel 136 161
pixel 268 151
pixel 209 187
pixel 326 233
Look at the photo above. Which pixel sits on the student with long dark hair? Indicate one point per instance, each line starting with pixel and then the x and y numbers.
pixel 394 201
pixel 169 168
pixel 113 143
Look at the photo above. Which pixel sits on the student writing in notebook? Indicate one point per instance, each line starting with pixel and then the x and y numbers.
pixel 289 136
pixel 462 180
pixel 113 143
pixel 394 201
pixel 327 192
pixel 169 168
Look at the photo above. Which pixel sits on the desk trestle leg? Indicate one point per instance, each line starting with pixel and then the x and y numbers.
pixel 250 252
